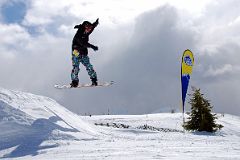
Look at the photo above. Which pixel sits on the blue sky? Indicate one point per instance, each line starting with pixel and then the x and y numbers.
pixel 13 11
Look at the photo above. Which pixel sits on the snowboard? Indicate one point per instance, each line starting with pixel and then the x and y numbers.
pixel 83 85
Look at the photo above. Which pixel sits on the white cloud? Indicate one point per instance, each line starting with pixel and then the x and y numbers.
pixel 227 68
pixel 110 11
pixel 42 12
pixel 218 26
pixel 126 43
pixel 13 34
pixel 14 38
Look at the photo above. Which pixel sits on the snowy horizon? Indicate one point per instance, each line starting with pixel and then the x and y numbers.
pixel 38 127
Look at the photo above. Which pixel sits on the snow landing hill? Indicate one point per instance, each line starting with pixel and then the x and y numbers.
pixel 37 127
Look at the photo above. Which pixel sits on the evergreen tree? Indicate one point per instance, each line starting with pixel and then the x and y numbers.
pixel 201 118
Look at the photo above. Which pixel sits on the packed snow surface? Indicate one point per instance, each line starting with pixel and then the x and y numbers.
pixel 37 127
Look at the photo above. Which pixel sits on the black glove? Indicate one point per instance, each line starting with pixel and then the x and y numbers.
pixel 77 26
pixel 95 48
pixel 96 22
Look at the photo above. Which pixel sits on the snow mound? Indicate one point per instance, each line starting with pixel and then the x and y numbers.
pixel 37 127
pixel 28 121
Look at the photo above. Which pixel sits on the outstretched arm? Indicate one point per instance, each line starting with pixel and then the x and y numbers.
pixel 94 25
pixel 87 45
pixel 95 48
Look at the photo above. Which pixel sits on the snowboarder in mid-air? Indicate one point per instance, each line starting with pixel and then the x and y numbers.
pixel 80 47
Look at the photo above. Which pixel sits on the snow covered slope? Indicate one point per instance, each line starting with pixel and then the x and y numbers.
pixel 37 127
pixel 27 121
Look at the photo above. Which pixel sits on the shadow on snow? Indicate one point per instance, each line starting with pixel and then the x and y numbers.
pixel 30 138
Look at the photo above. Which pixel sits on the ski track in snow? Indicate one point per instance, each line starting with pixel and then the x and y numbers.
pixel 37 127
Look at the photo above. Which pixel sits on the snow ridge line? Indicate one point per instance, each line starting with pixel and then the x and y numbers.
pixel 48 109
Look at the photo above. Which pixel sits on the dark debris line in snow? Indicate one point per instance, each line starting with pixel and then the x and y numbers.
pixel 144 127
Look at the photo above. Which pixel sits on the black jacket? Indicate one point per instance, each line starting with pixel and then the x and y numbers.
pixel 80 40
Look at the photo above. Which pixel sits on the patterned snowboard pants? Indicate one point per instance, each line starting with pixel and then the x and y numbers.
pixel 84 59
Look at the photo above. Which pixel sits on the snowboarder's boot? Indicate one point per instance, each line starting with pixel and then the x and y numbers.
pixel 94 81
pixel 74 83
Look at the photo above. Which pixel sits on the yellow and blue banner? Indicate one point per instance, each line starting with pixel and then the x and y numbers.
pixel 186 71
